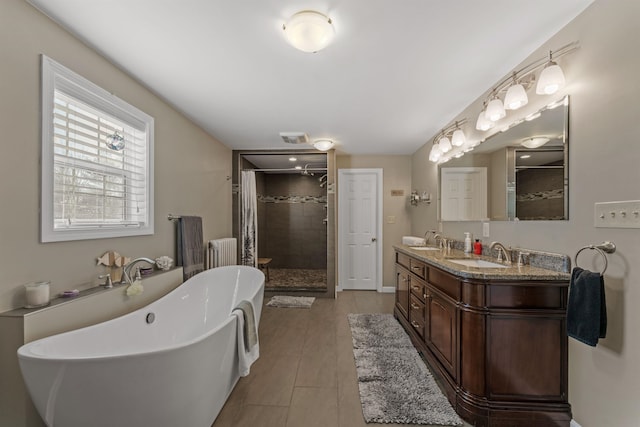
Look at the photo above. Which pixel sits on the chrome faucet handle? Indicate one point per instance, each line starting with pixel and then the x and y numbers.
pixel 522 256
pixel 108 284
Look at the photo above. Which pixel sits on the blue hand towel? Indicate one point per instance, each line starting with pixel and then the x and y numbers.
pixel 586 309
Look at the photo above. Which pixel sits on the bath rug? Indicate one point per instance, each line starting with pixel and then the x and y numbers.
pixel 290 302
pixel 395 385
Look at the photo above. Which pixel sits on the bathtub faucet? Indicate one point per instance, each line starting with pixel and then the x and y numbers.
pixel 126 270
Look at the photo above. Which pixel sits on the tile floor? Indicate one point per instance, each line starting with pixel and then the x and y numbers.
pixel 306 375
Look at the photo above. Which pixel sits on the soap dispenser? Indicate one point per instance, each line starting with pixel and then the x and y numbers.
pixel 468 248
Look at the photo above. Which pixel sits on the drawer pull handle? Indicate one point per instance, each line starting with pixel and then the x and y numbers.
pixel 417 268
pixel 415 288
pixel 415 325
pixel 415 307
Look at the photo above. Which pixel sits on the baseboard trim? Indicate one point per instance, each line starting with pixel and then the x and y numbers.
pixel 390 290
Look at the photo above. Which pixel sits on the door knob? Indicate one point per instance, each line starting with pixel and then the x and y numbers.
pixel 373 239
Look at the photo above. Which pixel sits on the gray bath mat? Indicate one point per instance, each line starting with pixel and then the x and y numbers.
pixel 395 385
pixel 290 302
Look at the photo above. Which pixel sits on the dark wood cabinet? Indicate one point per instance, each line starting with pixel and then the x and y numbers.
pixel 499 347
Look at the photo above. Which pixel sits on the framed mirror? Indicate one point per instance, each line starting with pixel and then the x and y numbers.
pixel 526 172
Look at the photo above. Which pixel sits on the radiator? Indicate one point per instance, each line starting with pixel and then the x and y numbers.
pixel 221 252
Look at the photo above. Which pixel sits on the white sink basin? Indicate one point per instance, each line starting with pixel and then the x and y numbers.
pixel 424 248
pixel 478 263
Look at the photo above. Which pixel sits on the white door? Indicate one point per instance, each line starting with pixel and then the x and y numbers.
pixel 463 194
pixel 359 229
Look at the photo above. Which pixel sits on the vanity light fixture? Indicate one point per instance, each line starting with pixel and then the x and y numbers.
pixel 483 123
pixel 458 139
pixel 516 96
pixel 495 109
pixel 309 31
pixel 445 141
pixel 550 80
pixel 292 159
pixel 323 144
pixel 298 167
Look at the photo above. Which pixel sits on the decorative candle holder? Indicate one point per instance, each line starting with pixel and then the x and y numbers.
pixel 37 294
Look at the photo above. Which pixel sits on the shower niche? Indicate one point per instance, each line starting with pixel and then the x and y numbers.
pixel 294 218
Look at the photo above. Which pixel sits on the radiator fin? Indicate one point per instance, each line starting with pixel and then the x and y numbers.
pixel 221 252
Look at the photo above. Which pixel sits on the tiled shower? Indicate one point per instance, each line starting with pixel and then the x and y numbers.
pixel 292 230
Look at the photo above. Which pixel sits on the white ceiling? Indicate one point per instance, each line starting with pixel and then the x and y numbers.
pixel 397 72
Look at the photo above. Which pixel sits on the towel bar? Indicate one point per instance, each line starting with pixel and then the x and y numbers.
pixel 607 247
pixel 172 217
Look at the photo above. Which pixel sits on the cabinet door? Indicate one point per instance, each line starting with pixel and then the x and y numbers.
pixel 402 291
pixel 416 315
pixel 442 323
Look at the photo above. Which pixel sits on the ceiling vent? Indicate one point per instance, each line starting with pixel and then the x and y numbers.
pixel 294 137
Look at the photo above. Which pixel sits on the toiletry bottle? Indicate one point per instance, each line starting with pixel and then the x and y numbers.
pixel 467 243
pixel 477 247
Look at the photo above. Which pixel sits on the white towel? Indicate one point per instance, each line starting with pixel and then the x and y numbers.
pixel 246 356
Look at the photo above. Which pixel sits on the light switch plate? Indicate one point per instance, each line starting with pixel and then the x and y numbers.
pixel 625 214
pixel 485 229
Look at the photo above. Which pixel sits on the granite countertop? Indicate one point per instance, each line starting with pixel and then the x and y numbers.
pixel 442 259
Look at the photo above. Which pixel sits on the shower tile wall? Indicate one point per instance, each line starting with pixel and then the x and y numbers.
pixel 291 231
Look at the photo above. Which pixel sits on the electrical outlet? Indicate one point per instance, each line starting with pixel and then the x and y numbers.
pixel 485 229
pixel 625 214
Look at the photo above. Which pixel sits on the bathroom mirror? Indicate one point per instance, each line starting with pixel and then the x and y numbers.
pixel 526 170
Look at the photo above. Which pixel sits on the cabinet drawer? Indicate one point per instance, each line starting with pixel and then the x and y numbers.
pixel 418 268
pixel 403 260
pixel 416 315
pixel 522 296
pixel 445 283
pixel 418 288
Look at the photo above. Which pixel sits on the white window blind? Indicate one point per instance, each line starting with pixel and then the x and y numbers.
pixel 97 161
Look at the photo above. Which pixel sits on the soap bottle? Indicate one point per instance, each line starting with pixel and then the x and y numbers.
pixel 477 247
pixel 467 243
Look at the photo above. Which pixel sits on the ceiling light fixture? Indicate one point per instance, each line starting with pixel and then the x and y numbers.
pixel 292 159
pixel 483 123
pixel 323 144
pixel 516 96
pixel 535 141
pixel 309 31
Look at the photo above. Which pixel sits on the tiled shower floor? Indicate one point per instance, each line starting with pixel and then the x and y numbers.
pixel 289 279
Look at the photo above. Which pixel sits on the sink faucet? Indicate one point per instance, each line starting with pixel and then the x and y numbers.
pixel 126 270
pixel 501 249
pixel 426 236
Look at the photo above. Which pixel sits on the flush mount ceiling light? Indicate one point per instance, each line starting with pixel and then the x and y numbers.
pixel 535 141
pixel 309 31
pixel 323 144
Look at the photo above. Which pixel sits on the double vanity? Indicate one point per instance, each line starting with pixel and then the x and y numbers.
pixel 493 334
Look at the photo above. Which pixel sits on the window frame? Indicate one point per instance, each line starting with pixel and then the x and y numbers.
pixel 55 75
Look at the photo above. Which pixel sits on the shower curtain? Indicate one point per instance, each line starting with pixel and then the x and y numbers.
pixel 249 237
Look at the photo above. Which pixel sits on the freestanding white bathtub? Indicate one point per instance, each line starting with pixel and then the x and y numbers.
pixel 176 369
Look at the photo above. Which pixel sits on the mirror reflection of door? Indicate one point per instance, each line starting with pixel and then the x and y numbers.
pixel 463 194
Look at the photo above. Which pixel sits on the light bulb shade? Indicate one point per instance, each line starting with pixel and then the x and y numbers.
pixel 535 142
pixel 516 97
pixel 309 31
pixel 445 144
pixel 483 123
pixel 458 139
pixel 435 153
pixel 323 144
pixel 551 79
pixel 495 110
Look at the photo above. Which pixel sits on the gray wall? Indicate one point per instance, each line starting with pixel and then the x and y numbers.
pixel 191 168
pixel 602 79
